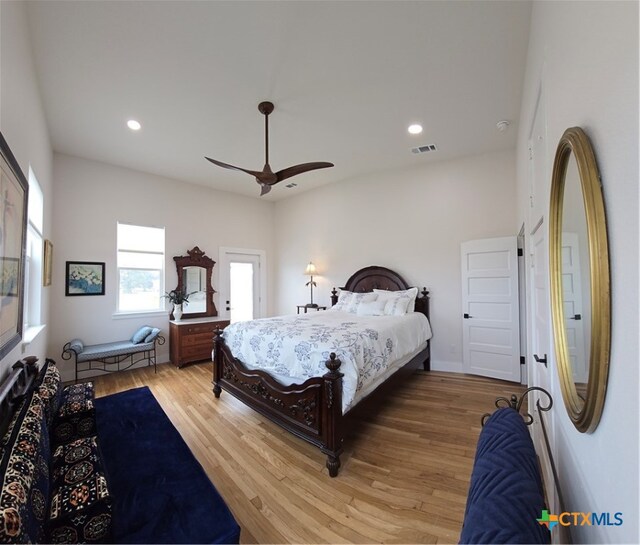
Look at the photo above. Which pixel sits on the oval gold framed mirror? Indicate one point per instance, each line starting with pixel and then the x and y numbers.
pixel 580 285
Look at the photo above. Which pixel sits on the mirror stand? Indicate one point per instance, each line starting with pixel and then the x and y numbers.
pixel 195 271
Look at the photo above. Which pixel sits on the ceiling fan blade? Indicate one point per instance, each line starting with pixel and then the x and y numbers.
pixel 299 169
pixel 232 167
pixel 265 189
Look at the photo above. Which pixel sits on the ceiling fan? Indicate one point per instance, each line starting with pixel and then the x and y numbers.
pixel 267 178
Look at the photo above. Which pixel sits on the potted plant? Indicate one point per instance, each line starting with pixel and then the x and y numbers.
pixel 177 298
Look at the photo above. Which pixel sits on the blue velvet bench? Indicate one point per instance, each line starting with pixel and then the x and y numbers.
pixel 506 494
pixel 122 354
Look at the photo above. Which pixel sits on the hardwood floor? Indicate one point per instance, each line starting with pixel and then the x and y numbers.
pixel 405 472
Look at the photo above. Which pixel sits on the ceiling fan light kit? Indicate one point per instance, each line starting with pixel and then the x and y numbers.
pixel 267 178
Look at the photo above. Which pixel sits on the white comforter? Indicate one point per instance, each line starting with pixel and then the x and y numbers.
pixel 295 348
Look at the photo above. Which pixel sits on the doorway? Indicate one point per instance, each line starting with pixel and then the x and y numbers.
pixel 242 284
pixel 491 309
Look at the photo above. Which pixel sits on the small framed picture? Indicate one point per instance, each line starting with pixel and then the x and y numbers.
pixel 48 261
pixel 84 278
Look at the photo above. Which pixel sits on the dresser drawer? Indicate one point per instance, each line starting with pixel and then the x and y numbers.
pixel 194 353
pixel 203 328
pixel 198 338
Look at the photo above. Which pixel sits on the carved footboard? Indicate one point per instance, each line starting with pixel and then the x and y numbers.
pixel 311 410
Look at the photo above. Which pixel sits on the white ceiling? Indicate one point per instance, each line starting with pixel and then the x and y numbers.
pixel 347 78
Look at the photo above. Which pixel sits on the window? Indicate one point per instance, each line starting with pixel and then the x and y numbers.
pixel 140 268
pixel 33 262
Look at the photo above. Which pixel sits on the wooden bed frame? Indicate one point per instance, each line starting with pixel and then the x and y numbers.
pixel 312 410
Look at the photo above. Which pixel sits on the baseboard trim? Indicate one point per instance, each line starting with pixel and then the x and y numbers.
pixel 449 366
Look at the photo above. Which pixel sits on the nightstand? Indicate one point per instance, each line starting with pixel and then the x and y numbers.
pixel 306 307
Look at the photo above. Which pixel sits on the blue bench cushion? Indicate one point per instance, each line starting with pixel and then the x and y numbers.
pixel 107 350
pixel 506 495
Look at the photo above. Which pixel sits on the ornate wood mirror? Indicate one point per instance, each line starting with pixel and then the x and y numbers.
pixel 194 277
pixel 580 288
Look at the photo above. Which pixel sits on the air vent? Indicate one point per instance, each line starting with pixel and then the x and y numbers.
pixel 292 184
pixel 424 149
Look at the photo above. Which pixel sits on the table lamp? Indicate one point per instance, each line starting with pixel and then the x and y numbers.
pixel 310 271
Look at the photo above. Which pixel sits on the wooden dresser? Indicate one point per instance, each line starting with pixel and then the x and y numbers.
pixel 192 340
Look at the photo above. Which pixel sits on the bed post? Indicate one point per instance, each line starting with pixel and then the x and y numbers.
pixel 423 301
pixel 332 407
pixel 334 296
pixel 217 362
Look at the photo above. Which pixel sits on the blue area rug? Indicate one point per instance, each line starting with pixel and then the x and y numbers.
pixel 161 493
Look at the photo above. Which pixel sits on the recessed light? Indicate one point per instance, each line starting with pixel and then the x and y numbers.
pixel 134 125
pixel 415 129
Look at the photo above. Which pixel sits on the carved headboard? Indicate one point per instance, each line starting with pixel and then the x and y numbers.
pixel 381 278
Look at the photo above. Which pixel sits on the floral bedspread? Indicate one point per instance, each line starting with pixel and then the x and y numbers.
pixel 295 348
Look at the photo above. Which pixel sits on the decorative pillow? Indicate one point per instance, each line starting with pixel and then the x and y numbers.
pixel 343 300
pixel 80 500
pixel 77 398
pixel 76 417
pixel 141 334
pixel 77 346
pixel 152 336
pixel 397 302
pixel 357 299
pixel 50 389
pixel 373 308
pixel 24 495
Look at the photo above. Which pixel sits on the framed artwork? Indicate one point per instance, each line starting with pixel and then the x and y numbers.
pixel 47 260
pixel 84 278
pixel 14 192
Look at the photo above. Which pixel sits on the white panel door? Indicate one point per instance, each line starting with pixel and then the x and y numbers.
pixel 540 372
pixel 242 283
pixel 573 305
pixel 490 306
pixel 540 348
pixel 539 178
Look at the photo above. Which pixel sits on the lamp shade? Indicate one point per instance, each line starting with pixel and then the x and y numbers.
pixel 310 270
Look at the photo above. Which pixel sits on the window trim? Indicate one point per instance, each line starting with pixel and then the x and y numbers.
pixel 33 286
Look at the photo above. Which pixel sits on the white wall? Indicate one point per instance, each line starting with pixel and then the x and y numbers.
pixel 586 56
pixel 91 197
pixel 412 221
pixel 23 125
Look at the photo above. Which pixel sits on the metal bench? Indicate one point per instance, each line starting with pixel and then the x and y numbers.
pixel 122 354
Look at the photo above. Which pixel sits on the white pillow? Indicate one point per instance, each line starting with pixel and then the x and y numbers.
pixel 397 303
pixel 343 300
pixel 384 295
pixel 357 299
pixel 372 308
